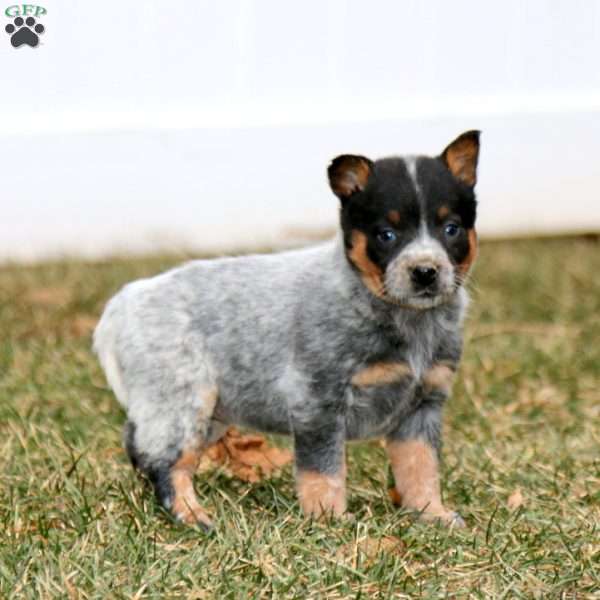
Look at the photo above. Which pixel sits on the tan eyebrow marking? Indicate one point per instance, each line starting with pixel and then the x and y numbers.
pixel 394 217
pixel 443 212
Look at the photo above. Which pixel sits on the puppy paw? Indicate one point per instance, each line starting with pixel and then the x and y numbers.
pixel 431 513
pixel 186 509
pixel 321 495
pixel 193 516
pixel 447 517
pixel 324 507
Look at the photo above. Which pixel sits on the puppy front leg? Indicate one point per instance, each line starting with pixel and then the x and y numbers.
pixel 321 468
pixel 414 449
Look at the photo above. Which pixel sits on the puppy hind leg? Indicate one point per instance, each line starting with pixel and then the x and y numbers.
pixel 185 506
pixel 167 448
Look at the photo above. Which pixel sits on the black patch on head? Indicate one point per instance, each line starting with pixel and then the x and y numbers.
pixel 439 188
pixel 388 189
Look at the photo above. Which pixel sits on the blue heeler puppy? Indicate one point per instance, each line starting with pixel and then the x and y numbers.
pixel 356 338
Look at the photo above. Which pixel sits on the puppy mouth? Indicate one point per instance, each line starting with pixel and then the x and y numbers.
pixel 422 299
pixel 427 293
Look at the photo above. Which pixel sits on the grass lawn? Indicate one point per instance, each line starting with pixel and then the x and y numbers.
pixel 522 459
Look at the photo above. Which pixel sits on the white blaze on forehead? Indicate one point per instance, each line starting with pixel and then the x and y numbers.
pixel 411 167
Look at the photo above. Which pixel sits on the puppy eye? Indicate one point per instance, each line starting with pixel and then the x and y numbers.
pixel 451 230
pixel 386 236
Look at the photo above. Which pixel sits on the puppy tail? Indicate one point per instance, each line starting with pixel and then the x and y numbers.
pixel 105 346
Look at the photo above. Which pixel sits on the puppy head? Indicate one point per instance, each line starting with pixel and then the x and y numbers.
pixel 409 223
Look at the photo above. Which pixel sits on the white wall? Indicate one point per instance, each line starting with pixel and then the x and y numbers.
pixel 139 126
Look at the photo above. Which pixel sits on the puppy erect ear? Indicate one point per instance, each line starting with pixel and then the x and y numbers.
pixel 348 174
pixel 461 157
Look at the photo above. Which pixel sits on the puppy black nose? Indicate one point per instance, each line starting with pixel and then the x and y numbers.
pixel 423 276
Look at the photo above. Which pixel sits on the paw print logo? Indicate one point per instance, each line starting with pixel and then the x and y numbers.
pixel 24 32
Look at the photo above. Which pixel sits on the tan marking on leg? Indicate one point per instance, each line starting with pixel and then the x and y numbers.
pixel 439 378
pixel 185 504
pixel 415 468
pixel 394 217
pixel 466 264
pixel 443 212
pixel 209 396
pixel 382 373
pixel 320 494
pixel 371 274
